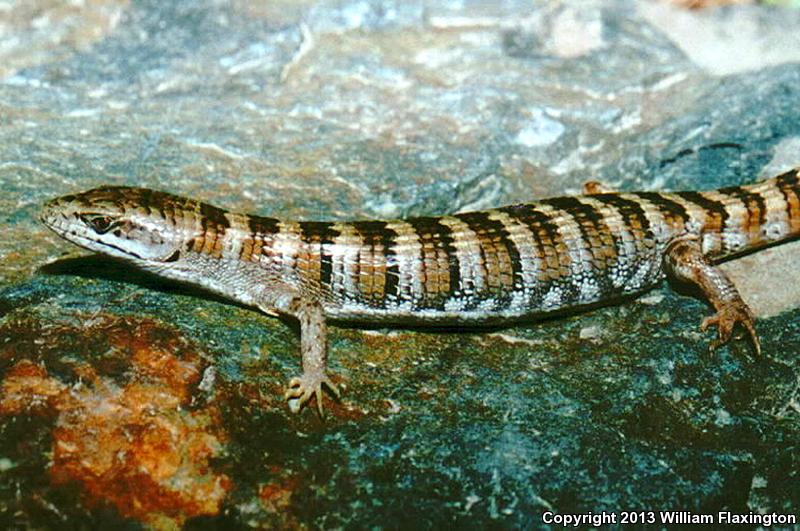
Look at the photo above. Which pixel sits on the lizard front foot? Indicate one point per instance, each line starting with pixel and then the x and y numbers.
pixel 726 319
pixel 301 389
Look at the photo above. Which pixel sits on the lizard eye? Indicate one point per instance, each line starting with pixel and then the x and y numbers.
pixel 99 223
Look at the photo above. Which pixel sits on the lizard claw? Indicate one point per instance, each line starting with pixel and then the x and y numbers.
pixel 726 319
pixel 301 389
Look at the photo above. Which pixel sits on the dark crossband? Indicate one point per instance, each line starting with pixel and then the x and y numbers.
pixel 431 232
pixel 753 201
pixel 545 233
pixel 787 183
pixel 376 234
pixel 593 228
pixel 492 234
pixel 320 234
pixel 260 227
pixel 709 205
pixel 671 210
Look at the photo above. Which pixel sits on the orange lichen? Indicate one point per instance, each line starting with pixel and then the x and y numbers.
pixel 276 497
pixel 27 389
pixel 125 435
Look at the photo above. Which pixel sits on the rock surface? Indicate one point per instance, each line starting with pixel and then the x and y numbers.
pixel 381 109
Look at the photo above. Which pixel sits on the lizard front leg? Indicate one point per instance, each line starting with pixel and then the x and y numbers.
pixel 684 260
pixel 314 351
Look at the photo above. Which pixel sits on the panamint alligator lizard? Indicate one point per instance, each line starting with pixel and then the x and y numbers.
pixel 472 268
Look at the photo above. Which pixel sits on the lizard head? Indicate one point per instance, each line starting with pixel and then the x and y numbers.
pixel 135 224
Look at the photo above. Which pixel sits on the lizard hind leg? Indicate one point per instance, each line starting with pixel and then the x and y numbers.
pixel 684 260
pixel 314 352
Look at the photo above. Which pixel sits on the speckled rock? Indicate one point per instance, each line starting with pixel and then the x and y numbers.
pixel 111 379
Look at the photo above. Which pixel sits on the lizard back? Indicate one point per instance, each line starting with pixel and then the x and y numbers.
pixel 530 258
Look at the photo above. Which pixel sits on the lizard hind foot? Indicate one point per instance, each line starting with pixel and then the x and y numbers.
pixel 302 388
pixel 726 319
pixel 684 260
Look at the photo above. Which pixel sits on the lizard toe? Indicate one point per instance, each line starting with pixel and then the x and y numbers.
pixel 302 389
pixel 726 320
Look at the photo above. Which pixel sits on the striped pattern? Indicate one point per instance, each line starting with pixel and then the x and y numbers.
pixel 503 263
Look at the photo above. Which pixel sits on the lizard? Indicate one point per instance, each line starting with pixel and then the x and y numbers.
pixel 474 268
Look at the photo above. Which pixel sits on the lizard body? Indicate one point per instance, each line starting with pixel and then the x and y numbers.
pixel 483 267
